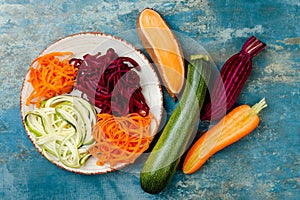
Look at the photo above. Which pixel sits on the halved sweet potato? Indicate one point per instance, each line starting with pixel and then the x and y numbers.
pixel 164 49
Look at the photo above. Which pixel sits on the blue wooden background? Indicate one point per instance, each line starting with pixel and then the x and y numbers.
pixel 263 165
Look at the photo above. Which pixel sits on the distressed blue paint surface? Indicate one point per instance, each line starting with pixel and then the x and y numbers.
pixel 263 165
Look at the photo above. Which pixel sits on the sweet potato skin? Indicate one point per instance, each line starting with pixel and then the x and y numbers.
pixel 151 51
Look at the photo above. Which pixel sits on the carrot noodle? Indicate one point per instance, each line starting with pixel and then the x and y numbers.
pixel 51 76
pixel 121 139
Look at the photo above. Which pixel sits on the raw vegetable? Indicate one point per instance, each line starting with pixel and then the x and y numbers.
pixel 231 80
pixel 163 47
pixel 51 75
pixel 62 127
pixel 162 162
pixel 120 140
pixel 238 123
pixel 111 84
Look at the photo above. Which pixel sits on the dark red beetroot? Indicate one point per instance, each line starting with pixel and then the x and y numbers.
pixel 231 80
pixel 110 84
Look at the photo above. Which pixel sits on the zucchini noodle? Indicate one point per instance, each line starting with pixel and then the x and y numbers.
pixel 62 127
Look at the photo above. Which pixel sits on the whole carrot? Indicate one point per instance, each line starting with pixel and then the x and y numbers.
pixel 235 125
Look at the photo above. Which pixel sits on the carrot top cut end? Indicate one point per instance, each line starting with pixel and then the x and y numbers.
pixel 260 105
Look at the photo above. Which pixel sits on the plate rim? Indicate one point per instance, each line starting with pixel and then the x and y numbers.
pixel 21 98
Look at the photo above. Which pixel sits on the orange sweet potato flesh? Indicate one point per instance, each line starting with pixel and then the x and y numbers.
pixel 164 49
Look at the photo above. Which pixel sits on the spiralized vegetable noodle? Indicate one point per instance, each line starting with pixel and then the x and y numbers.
pixel 51 75
pixel 120 139
pixel 62 128
pixel 111 84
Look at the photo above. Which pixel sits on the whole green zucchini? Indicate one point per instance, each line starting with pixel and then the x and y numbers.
pixel 163 160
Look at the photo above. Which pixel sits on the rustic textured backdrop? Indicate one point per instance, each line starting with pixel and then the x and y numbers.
pixel 263 165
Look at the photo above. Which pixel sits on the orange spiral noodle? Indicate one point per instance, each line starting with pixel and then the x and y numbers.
pixel 52 75
pixel 122 139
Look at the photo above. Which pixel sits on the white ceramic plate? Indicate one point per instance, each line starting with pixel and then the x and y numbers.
pixel 92 43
